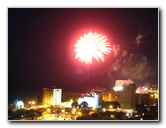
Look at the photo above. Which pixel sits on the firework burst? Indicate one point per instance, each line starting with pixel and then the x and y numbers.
pixel 92 45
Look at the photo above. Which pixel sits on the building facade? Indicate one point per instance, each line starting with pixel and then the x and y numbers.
pixel 143 99
pixel 52 96
pixel 110 95
pixel 127 97
pixel 57 96
pixel 93 100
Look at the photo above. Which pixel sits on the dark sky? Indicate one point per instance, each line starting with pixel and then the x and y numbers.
pixel 41 45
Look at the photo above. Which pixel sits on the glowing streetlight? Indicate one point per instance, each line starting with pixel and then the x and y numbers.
pixel 62 110
pixel 79 114
pixel 33 102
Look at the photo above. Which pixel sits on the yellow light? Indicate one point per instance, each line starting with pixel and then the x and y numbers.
pixel 155 96
pixel 127 114
pixel 104 109
pixel 71 100
pixel 74 109
pixel 151 95
pixel 79 113
pixel 146 89
pixel 33 102
pixel 111 106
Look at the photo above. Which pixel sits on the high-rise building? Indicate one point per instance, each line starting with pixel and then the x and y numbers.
pixel 127 97
pixel 47 96
pixel 57 96
pixel 52 96
pixel 154 95
pixel 120 83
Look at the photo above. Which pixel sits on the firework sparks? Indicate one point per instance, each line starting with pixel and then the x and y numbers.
pixel 92 45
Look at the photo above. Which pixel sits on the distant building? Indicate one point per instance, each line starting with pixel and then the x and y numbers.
pixel 110 95
pixel 143 89
pixel 120 83
pixel 93 100
pixel 154 95
pixel 47 96
pixel 147 94
pixel 143 99
pixel 127 97
pixel 52 96
pixel 57 96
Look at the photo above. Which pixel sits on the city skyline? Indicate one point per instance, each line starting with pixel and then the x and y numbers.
pixel 41 47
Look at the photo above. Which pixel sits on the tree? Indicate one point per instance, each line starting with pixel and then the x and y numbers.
pixel 84 104
pixel 74 104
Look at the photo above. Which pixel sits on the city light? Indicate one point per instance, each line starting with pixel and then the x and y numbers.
pixel 83 64
pixel 20 104
pixel 111 106
pixel 120 88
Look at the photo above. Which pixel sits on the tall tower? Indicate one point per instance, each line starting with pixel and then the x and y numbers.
pixel 57 96
pixel 128 97
pixel 47 96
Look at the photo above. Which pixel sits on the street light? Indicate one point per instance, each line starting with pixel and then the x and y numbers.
pixel 48 110
pixel 111 107
pixel 33 102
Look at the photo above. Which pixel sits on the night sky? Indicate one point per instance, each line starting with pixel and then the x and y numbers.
pixel 41 46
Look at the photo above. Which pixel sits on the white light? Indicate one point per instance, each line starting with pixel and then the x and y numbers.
pixel 119 88
pixel 127 114
pixel 20 104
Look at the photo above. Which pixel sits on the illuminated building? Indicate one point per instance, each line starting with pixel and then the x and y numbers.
pixel 47 96
pixel 127 97
pixel 143 99
pixel 119 84
pixel 93 100
pixel 153 92
pixel 52 96
pixel 146 95
pixel 110 95
pixel 143 89
pixel 57 96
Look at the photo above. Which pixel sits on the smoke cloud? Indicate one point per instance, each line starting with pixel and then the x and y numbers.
pixel 128 65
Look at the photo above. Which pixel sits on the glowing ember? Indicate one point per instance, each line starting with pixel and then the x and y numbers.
pixel 91 45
